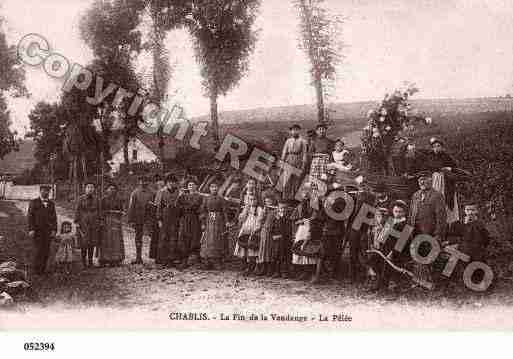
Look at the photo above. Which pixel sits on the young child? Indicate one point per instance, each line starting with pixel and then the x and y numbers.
pixel 474 238
pixel 307 230
pixel 374 264
pixel 264 258
pixel 251 189
pixel 387 244
pixel 340 158
pixel 250 221
pixel 67 241
pixel 281 241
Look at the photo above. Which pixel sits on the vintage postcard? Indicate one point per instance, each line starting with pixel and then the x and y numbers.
pixel 256 164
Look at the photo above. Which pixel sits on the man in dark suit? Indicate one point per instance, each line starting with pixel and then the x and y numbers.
pixel 42 227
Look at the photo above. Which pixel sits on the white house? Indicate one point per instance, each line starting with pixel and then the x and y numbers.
pixel 141 148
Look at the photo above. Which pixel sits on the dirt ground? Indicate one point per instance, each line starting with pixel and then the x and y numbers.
pixel 152 297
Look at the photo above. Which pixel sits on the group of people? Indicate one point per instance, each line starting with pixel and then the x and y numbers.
pixel 278 234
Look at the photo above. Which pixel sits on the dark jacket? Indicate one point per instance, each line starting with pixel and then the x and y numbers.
pixel 140 204
pixel 41 219
pixel 474 238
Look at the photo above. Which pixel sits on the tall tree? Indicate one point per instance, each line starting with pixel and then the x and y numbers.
pixel 161 69
pixel 321 40
pixel 47 129
pixel 224 38
pixel 12 76
pixel 110 29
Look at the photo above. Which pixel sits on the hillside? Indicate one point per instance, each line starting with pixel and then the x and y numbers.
pixel 18 161
pixel 356 110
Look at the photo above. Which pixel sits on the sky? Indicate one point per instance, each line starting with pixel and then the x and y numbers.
pixel 448 48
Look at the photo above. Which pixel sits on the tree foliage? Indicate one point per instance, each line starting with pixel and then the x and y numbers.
pixel 12 76
pixel 111 29
pixel 47 129
pixel 224 37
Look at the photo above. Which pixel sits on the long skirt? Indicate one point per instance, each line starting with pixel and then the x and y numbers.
pixel 89 231
pixel 112 247
pixel 242 252
pixel 168 246
pixel 291 187
pixel 265 249
pixel 453 214
pixel 213 241
pixel 302 234
pixel 189 234
pixel 319 167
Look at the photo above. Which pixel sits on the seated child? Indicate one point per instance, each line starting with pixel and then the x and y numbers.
pixel 341 160
pixel 250 221
pixel 67 242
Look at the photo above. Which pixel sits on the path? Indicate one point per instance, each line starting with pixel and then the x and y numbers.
pixel 135 296
pixel 128 233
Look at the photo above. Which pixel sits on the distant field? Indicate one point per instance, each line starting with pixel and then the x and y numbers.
pixel 356 110
pixel 263 124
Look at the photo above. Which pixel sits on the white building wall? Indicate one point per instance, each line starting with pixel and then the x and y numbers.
pixel 144 154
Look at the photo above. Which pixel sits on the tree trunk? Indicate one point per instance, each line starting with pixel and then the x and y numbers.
pixel 76 188
pixel 320 98
pixel 214 118
pixel 312 54
pixel 160 134
pixel 125 151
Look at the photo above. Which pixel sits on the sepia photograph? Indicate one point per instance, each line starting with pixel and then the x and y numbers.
pixel 249 165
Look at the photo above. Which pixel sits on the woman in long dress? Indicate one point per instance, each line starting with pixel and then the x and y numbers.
pixel 189 233
pixel 294 153
pixel 112 246
pixel 215 217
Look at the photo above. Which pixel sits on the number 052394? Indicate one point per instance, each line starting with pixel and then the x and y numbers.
pixel 39 346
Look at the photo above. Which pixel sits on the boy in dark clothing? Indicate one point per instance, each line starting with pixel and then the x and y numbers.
pixel 382 269
pixel 281 241
pixel 474 238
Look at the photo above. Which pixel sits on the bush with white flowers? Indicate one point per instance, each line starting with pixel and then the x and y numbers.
pixel 386 122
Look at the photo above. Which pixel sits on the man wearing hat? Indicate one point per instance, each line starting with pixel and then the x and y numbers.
pixel 157 185
pixel 428 214
pixel 87 219
pixel 42 226
pixel 167 215
pixel 295 153
pixel 383 197
pixel 138 210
